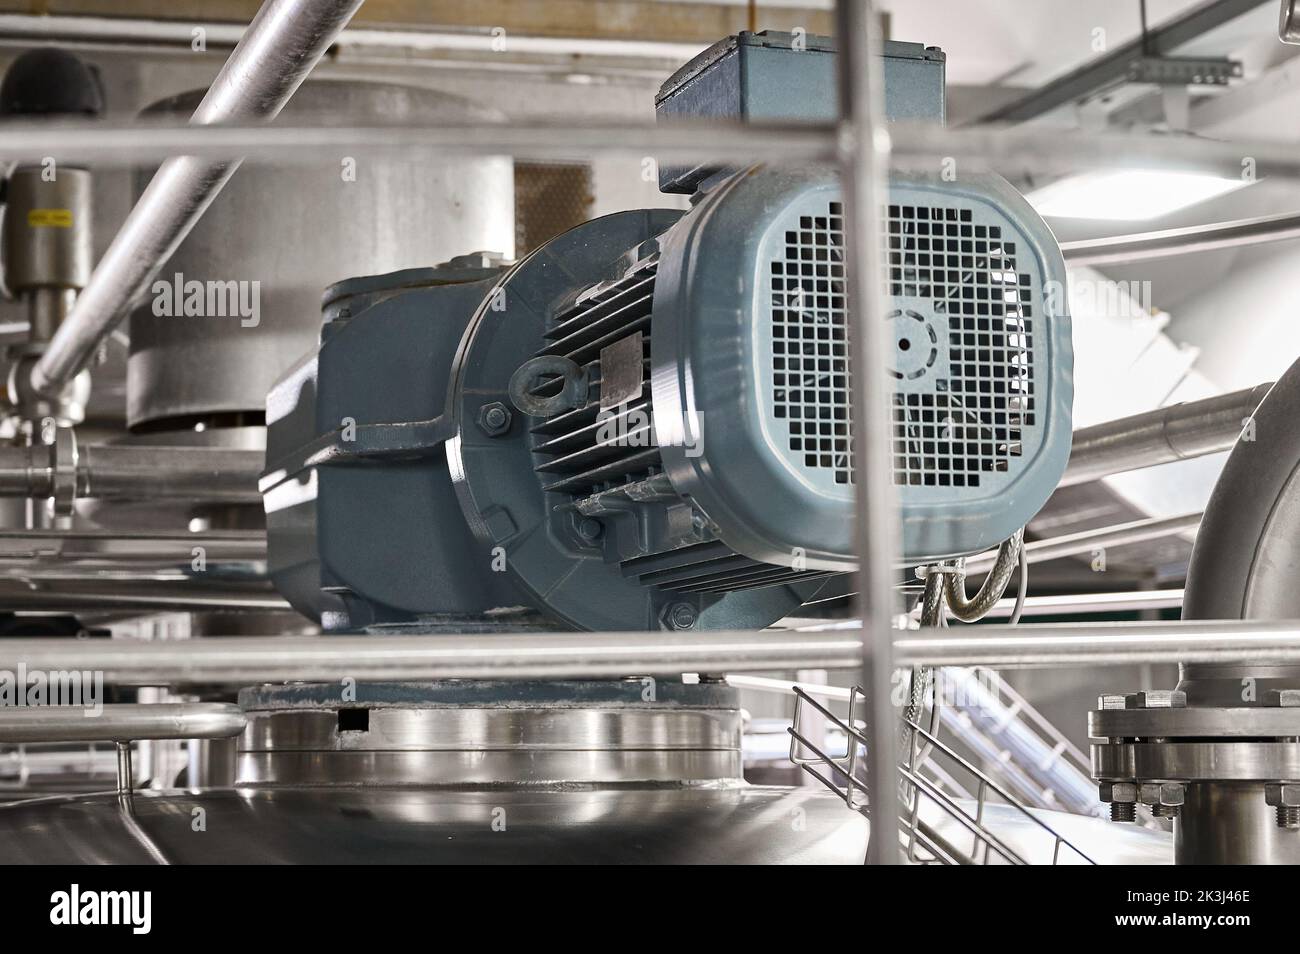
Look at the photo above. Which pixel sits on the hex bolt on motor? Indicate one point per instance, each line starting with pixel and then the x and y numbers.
pixel 680 616
pixel 494 419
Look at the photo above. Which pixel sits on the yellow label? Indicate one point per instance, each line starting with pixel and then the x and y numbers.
pixel 49 218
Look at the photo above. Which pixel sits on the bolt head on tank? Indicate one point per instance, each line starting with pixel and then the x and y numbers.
pixel 1282 795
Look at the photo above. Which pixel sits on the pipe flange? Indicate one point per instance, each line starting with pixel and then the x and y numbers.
pixel 1226 761
pixel 64 459
pixel 1196 722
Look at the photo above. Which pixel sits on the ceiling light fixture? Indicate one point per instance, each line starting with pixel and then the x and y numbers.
pixel 1129 195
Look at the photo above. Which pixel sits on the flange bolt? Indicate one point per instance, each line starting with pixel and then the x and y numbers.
pixel 1122 797
pixel 1285 798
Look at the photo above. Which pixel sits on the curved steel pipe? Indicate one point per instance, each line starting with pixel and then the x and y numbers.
pixel 1246 561
pixel 1244 565
pixel 284 41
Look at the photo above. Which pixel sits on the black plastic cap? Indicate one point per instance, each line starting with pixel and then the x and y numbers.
pixel 51 82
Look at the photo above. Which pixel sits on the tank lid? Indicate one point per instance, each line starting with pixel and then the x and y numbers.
pixel 639 732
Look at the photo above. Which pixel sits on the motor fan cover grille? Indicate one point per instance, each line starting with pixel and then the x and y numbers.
pixel 961 317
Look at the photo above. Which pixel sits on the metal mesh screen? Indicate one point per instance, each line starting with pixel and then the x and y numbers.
pixel 962 334
pixel 810 360
pixel 550 198
pixel 967 422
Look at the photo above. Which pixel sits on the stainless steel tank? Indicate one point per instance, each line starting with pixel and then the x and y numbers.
pixel 479 771
pixel 296 229
pixel 635 770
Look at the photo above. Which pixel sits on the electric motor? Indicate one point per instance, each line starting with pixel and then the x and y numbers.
pixel 646 423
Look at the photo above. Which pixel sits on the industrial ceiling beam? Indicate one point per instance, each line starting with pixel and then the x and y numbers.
pixel 1114 66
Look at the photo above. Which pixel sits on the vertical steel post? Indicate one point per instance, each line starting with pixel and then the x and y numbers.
pixel 863 149
pixel 125 774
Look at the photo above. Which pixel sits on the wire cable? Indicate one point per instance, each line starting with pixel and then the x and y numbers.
pixel 1022 587
pixel 970 609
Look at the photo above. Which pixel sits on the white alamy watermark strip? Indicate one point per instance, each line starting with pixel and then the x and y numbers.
pixel 62 687
pixel 77 907
pixel 179 297
pixel 626 425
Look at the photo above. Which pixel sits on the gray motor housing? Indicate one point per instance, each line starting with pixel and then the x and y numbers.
pixel 790 78
pixel 646 422
pixel 377 541
pixel 672 445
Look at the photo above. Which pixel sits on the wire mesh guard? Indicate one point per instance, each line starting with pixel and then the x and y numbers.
pixel 944 800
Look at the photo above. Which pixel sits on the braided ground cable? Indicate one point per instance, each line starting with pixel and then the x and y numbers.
pixel 970 609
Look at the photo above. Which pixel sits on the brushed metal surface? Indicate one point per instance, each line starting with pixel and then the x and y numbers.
pixel 1235 761
pixel 738 824
pixel 526 737
pixel 1230 824
pixel 1195 721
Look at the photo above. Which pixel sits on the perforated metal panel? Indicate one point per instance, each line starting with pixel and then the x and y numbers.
pixel 962 339
pixel 810 370
pixel 955 281
pixel 751 348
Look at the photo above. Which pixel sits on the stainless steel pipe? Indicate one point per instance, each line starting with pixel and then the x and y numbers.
pixel 1096 644
pixel 1177 432
pixel 1070 604
pixel 1132 601
pixel 120 722
pixel 1086 541
pixel 1215 237
pixel 1013 152
pixel 244 660
pixel 862 179
pixel 134 596
pixel 681 141
pixel 111 570
pixel 284 41
pixel 133 471
pixel 210 474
